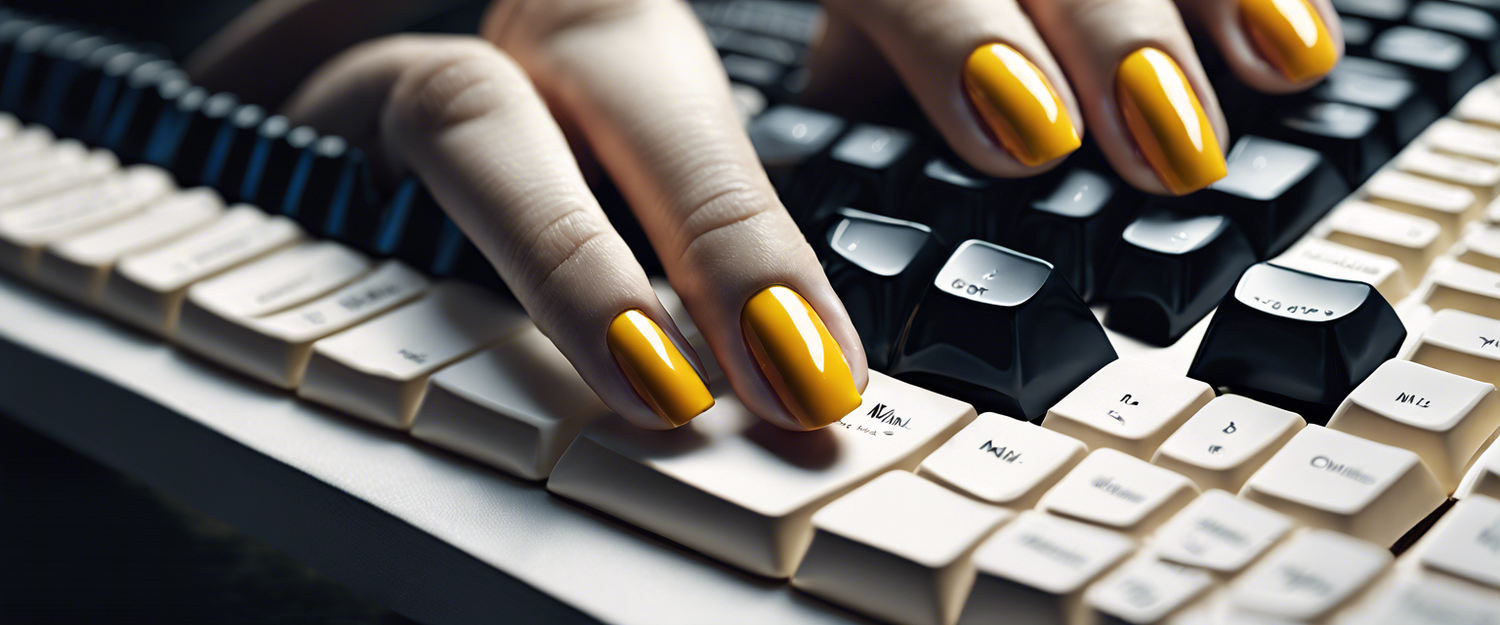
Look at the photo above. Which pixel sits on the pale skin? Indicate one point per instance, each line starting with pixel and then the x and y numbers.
pixel 481 120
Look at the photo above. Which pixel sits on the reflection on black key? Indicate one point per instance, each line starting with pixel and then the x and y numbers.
pixel 1382 12
pixel 879 267
pixel 1384 88
pixel 66 70
pixel 1073 222
pixel 1347 135
pixel 957 202
pixel 1476 26
pixel 1169 271
pixel 865 170
pixel 411 225
pixel 200 136
pixel 27 67
pixel 161 146
pixel 1274 192
pixel 1002 331
pixel 150 89
pixel 329 182
pixel 1358 33
pixel 787 137
pixel 116 74
pixel 1297 340
pixel 1442 64
pixel 68 98
pixel 233 150
pixel 278 149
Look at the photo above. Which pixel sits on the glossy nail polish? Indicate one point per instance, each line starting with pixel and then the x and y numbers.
pixel 661 376
pixel 1291 36
pixel 802 361
pixel 1018 104
pixel 1168 123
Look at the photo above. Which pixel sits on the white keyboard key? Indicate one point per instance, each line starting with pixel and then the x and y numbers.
pixel 1465 543
pixel 1484 477
pixel 1036 569
pixel 1424 600
pixel 1146 590
pixel 515 406
pixel 1444 418
pixel 905 536
pixel 1003 461
pixel 1121 492
pixel 26 229
pixel 1461 343
pixel 1128 406
pixel 280 280
pixel 275 348
pixel 378 370
pixel 1408 239
pixel 27 144
pixel 1468 288
pixel 1227 441
pixel 1479 106
pixel 1450 205
pixel 742 490
pixel 64 177
pixel 1464 139
pixel 1481 248
pixel 1309 576
pixel 66 153
pixel 1329 479
pixel 79 266
pixel 147 289
pixel 9 126
pixel 1326 258
pixel 1492 212
pixel 1478 176
pixel 1220 532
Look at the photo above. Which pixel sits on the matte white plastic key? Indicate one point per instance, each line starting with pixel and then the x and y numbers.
pixel 1408 239
pixel 1461 343
pixel 1479 106
pixel 742 490
pixel 26 144
pixel 1465 543
pixel 1227 441
pixel 1330 479
pixel 1444 418
pixel 1478 176
pixel 1465 287
pixel 1424 600
pixel 1309 576
pixel 1220 532
pixel 276 347
pixel 1120 492
pixel 281 279
pixel 64 177
pixel 1335 260
pixel 26 229
pixel 147 289
pixel 1464 139
pixel 1483 478
pixel 905 538
pixel 1003 461
pixel 378 370
pixel 1481 248
pixel 79 266
pixel 1450 205
pixel 1145 590
pixel 1036 569
pixel 515 406
pixel 66 153
pixel 1128 406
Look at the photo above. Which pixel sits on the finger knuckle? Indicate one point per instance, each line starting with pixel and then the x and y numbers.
pixel 455 83
pixel 720 209
pixel 557 244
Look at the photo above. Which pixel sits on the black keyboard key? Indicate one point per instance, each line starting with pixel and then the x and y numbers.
pixel 149 90
pixel 757 46
pixel 957 202
pixel 1169 270
pixel 115 75
pixel 274 161
pixel 1297 340
pixel 232 152
pixel 331 183
pixel 1382 12
pixel 879 266
pixel 866 170
pixel 788 138
pixel 419 225
pixel 1390 91
pixel 25 70
pixel 1476 26
pixel 1347 135
pixel 70 83
pixel 1073 221
pixel 760 73
pixel 1273 191
pixel 200 135
pixel 1358 33
pixel 1002 331
pixel 171 126
pixel 1443 65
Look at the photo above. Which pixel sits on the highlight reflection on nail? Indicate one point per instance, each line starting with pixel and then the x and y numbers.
pixel 1018 104
pixel 799 357
pixel 1168 123
pixel 663 378
pixel 1291 36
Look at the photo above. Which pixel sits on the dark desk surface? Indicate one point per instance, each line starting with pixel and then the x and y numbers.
pixel 81 543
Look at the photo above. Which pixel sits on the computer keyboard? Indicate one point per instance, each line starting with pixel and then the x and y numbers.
pixel 1270 401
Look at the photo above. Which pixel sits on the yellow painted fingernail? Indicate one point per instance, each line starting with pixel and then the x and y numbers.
pixel 1292 36
pixel 1168 123
pixel 663 378
pixel 1019 105
pixel 799 357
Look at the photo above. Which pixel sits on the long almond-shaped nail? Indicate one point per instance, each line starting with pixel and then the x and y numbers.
pixel 661 376
pixel 1015 100
pixel 1167 121
pixel 1292 36
pixel 799 357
